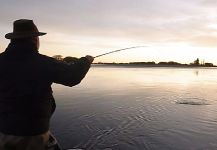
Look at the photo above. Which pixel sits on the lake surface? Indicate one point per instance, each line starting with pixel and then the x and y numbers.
pixel 125 108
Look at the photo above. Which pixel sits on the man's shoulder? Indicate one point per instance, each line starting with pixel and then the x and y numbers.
pixel 46 58
pixel 2 55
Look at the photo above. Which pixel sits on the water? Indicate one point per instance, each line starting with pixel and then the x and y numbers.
pixel 125 108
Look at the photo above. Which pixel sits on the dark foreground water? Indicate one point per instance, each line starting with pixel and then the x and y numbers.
pixel 120 108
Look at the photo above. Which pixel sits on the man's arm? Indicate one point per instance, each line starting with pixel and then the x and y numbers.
pixel 71 74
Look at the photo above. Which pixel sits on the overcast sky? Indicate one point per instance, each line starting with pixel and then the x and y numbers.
pixel 179 30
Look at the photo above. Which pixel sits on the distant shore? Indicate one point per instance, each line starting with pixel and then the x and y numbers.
pixel 152 65
pixel 195 63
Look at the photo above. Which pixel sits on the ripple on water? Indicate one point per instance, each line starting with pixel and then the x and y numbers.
pixel 192 101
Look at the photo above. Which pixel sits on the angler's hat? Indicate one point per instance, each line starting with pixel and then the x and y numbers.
pixel 24 28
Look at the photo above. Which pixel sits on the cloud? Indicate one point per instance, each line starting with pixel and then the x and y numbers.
pixel 138 20
pixel 209 3
pixel 204 41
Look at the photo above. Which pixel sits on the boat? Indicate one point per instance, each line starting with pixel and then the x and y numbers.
pixel 54 145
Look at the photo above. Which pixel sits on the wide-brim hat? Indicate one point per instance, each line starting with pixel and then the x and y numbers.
pixel 24 28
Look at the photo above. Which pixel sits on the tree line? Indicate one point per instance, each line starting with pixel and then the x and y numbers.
pixel 196 62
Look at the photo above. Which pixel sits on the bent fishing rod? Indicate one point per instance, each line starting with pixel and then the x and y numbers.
pixel 118 51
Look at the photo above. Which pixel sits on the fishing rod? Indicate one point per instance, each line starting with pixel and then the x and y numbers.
pixel 118 50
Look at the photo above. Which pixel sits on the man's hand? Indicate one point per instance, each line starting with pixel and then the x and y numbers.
pixel 90 58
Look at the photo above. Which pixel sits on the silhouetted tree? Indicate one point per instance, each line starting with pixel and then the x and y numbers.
pixel 143 63
pixel 162 63
pixel 58 57
pixel 208 64
pixel 173 63
pixel 197 62
pixel 150 63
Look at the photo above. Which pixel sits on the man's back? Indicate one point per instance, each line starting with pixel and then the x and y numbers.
pixel 26 101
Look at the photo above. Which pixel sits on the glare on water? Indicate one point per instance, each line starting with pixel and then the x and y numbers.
pixel 138 108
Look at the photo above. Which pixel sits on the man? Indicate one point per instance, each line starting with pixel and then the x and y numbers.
pixel 26 100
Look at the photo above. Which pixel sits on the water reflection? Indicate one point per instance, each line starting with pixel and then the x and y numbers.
pixel 196 72
pixel 136 108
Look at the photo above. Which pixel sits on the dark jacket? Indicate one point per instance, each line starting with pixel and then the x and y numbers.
pixel 26 100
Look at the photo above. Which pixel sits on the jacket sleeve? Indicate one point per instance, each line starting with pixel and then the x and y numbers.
pixel 70 74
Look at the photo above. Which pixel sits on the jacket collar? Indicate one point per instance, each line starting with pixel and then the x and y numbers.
pixel 21 48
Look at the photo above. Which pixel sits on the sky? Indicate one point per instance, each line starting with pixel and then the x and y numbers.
pixel 172 30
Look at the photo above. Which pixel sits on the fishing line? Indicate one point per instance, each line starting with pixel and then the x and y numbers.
pixel 118 51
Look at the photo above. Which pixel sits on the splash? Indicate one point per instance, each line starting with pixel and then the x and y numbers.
pixel 192 101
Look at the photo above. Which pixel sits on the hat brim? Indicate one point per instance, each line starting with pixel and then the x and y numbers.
pixel 23 35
